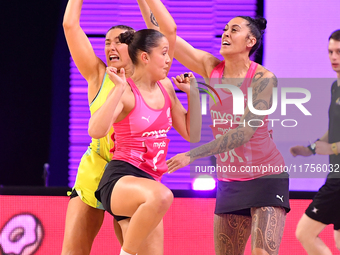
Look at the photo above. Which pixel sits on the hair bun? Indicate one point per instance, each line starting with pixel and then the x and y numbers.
pixel 126 37
pixel 261 23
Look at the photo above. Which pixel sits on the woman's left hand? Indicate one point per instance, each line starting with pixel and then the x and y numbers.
pixel 179 161
pixel 185 82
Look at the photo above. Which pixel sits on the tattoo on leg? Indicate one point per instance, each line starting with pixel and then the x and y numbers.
pixel 231 233
pixel 243 233
pixel 226 245
pixel 267 228
pixel 232 221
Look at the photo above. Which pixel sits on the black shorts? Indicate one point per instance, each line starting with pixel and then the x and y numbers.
pixel 238 197
pixel 325 207
pixel 115 170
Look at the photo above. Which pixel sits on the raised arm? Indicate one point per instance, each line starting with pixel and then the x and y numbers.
pixel 147 14
pixel 154 9
pixel 262 92
pixel 80 47
pixel 198 61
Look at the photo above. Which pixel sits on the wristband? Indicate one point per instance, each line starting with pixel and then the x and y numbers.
pixel 312 146
pixel 334 149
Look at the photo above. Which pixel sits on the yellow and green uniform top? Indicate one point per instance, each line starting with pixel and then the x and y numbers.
pixel 95 159
pixel 103 145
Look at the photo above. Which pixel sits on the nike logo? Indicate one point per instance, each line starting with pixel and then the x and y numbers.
pixel 143 118
pixel 281 198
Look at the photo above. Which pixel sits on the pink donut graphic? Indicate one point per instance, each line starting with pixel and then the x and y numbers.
pixel 21 235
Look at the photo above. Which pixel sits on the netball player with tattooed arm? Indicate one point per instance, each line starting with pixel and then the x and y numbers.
pixel 247 203
pixel 142 109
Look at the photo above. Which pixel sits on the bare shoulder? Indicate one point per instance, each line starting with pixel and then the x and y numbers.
pixel 210 63
pixel 167 84
pixel 264 76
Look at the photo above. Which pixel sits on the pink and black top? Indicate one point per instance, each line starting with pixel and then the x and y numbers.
pixel 141 137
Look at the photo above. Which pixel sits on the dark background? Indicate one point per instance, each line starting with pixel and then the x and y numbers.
pixel 34 92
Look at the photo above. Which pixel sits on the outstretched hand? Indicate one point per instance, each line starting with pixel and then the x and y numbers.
pixel 118 78
pixel 185 82
pixel 179 161
pixel 300 150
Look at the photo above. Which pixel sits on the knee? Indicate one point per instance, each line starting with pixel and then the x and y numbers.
pixel 303 236
pixel 162 200
pixel 299 234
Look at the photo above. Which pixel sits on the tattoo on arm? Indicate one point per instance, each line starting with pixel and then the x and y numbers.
pixel 257 76
pixel 236 137
pixel 153 19
pixel 259 88
pixel 231 140
pixel 259 104
pixel 271 101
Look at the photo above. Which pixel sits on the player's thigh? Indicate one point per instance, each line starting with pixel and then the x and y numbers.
pixel 231 233
pixel 138 190
pixel 267 229
pixel 82 223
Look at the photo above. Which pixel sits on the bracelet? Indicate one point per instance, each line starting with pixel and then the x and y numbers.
pixel 312 146
pixel 334 149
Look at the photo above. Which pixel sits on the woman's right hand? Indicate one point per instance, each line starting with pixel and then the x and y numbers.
pixel 118 78
pixel 185 82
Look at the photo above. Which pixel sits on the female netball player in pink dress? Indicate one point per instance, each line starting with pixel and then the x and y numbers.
pixel 142 109
pixel 247 202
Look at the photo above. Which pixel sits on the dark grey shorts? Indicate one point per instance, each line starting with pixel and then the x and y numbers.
pixel 238 197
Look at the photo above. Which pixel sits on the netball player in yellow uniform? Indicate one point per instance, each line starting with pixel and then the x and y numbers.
pixel 84 216
pixel 96 157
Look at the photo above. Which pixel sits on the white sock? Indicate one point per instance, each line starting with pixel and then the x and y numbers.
pixel 122 252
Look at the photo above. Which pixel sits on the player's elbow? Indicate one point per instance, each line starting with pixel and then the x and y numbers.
pixel 195 138
pixel 70 23
pixel 95 132
pixel 247 134
pixel 170 32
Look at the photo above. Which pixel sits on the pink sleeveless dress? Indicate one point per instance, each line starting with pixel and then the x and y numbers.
pixel 141 137
pixel 249 160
